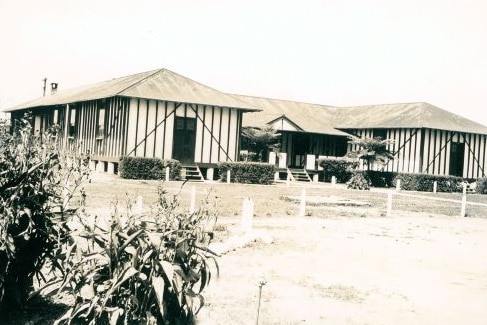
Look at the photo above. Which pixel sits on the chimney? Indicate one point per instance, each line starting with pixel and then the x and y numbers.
pixel 54 88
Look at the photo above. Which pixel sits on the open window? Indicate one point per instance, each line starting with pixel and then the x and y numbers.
pixel 72 123
pixel 100 124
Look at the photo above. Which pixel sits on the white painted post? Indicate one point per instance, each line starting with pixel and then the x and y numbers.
pixel 192 201
pixel 247 214
pixel 282 160
pixel 100 166
pixel 111 168
pixel 272 158
pixel 310 162
pixel 209 174
pixel 315 178
pixel 167 173
pixel 389 204
pixel 276 176
pixel 302 204
pixel 435 186
pixel 463 211
pixel 333 180
pixel 228 176
pixel 92 165
pixel 398 185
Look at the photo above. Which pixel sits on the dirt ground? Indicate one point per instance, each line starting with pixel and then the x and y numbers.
pixel 409 269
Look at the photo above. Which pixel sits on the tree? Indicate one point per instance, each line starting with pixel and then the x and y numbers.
pixel 372 150
pixel 259 140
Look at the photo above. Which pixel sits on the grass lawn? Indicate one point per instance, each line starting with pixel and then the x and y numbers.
pixel 339 264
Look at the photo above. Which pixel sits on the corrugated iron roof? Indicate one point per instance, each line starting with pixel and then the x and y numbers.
pixel 311 118
pixel 159 84
pixel 405 115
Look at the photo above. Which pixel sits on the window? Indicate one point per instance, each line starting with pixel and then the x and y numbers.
pixel 100 125
pixel 72 123
pixel 55 116
pixel 380 133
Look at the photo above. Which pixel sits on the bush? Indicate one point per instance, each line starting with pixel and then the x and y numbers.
pixel 482 185
pixel 342 169
pixel 381 179
pixel 424 182
pixel 358 182
pixel 247 172
pixel 148 168
pixel 138 270
pixel 37 182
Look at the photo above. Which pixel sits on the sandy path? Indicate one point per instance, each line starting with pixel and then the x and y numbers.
pixel 401 270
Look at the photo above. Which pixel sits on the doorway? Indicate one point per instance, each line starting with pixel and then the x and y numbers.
pixel 457 156
pixel 184 139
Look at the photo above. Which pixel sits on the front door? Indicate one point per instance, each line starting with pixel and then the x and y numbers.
pixel 457 155
pixel 184 139
pixel 300 149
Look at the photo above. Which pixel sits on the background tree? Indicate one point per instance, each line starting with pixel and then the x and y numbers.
pixel 372 150
pixel 258 141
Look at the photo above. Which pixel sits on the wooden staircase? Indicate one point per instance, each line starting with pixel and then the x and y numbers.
pixel 298 175
pixel 191 173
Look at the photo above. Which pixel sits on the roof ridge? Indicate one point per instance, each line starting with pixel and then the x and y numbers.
pixel 284 100
pixel 141 80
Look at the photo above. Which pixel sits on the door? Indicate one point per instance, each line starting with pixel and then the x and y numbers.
pixel 184 139
pixel 457 155
pixel 300 149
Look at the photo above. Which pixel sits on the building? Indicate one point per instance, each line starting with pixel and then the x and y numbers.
pixel 156 114
pixel 165 115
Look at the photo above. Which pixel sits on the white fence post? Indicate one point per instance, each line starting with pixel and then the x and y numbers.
pixel 435 186
pixel 333 180
pixel 167 174
pixel 398 185
pixel 247 214
pixel 228 176
pixel 192 201
pixel 464 201
pixel 389 204
pixel 302 204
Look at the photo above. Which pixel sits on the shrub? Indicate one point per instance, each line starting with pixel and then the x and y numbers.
pixel 380 178
pixel 358 182
pixel 424 182
pixel 136 270
pixel 482 185
pixel 148 168
pixel 247 172
pixel 37 182
pixel 342 169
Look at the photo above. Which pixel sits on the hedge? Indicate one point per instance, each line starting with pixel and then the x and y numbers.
pixel 341 168
pixel 148 168
pixel 424 182
pixel 247 172
pixel 482 186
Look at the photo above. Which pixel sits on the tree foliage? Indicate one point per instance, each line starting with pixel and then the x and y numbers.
pixel 258 141
pixel 372 150
pixel 37 181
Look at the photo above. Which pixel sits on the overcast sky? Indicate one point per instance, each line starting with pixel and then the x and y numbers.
pixel 331 52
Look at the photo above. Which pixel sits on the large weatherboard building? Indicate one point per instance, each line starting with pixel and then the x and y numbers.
pixel 165 115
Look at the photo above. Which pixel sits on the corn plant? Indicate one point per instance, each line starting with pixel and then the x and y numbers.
pixel 36 185
pixel 138 269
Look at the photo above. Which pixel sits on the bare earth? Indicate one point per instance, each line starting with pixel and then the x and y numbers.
pixel 401 270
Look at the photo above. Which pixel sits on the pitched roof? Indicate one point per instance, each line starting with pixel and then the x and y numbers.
pixel 406 115
pixel 159 84
pixel 310 118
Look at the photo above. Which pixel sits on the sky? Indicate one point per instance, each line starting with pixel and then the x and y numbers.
pixel 330 52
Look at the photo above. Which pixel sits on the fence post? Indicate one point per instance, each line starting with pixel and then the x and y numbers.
pixel 302 204
pixel 333 180
pixel 464 201
pixel 389 204
pixel 398 185
pixel 247 214
pixel 192 201
pixel 228 176
pixel 435 186
pixel 167 174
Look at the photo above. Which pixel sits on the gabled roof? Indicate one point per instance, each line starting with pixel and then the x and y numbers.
pixel 407 115
pixel 310 118
pixel 159 84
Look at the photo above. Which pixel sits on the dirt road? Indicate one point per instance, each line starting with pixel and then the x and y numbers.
pixel 401 270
